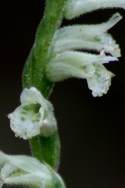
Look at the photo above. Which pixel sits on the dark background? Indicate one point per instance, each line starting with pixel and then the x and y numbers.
pixel 91 129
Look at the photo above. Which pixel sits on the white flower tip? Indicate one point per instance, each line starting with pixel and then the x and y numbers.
pixel 116 18
pixel 107 59
pixel 28 119
pixel 115 51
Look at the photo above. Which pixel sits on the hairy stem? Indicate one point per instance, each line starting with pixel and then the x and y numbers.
pixel 34 75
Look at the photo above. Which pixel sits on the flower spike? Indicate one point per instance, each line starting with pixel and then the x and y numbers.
pixel 34 116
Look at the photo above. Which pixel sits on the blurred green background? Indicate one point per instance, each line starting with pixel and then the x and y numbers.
pixel 91 129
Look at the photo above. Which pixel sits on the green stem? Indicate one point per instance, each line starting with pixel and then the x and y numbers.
pixel 35 146
pixel 35 75
pixel 34 71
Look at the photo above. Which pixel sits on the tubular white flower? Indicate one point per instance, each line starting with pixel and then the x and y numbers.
pixel 66 61
pixel 82 65
pixel 34 116
pixel 90 37
pixel 76 8
pixel 28 171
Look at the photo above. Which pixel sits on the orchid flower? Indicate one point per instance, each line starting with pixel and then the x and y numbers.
pixel 66 61
pixel 34 116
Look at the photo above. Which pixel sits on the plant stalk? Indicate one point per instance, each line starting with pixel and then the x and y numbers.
pixel 44 148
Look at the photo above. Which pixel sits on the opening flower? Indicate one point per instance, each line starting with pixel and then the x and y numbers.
pixel 34 116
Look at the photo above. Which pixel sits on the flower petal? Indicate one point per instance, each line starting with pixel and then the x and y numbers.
pixel 77 59
pixel 104 42
pixel 75 8
pixel 79 31
pixel 90 37
pixel 100 82
pixel 28 179
pixel 32 95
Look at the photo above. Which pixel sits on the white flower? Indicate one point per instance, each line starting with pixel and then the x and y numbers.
pixel 82 65
pixel 34 116
pixel 67 61
pixel 75 8
pixel 90 37
pixel 28 171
